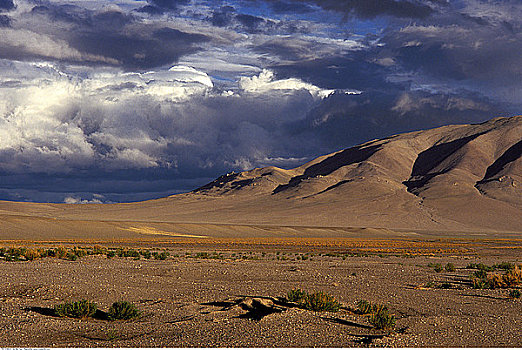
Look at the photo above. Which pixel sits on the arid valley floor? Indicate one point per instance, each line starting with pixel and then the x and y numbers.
pixel 202 294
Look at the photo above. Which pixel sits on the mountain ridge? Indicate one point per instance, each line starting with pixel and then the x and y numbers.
pixel 437 157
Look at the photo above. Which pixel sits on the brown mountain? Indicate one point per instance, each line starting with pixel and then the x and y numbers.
pixel 458 178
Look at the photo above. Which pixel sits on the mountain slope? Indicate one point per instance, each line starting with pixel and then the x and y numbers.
pixel 450 177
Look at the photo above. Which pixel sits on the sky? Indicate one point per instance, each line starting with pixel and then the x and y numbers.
pixel 114 101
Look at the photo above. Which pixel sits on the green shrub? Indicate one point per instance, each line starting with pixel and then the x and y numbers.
pixel 445 285
pixel 295 295
pixel 480 267
pixel 71 256
pixel 511 278
pixel 515 293
pixel 215 255
pixel 98 250
pixel 382 319
pixel 31 254
pixel 111 254
pixel 161 256
pixel 146 254
pixel 319 301
pixel 480 274
pixel 50 253
pixel 76 309
pixel 131 253
pixel 79 252
pixel 61 253
pixel 507 266
pixel 449 267
pixel 480 283
pixel 366 307
pixel 437 267
pixel 122 310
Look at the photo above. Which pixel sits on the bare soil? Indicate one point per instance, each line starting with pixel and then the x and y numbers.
pixel 237 299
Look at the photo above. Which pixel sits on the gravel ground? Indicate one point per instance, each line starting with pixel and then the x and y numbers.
pixel 194 302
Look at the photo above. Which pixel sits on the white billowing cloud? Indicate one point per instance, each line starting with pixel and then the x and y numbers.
pixel 55 121
pixel 265 83
pixel 176 84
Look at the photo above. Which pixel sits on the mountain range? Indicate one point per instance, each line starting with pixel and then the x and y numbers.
pixel 456 178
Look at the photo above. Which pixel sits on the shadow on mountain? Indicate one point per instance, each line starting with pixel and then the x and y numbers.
pixel 331 164
pixel 432 157
pixel 510 155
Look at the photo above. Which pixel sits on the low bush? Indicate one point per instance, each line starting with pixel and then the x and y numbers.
pixel 295 295
pixel 60 253
pixel 511 278
pixel 79 252
pixel 365 307
pixel 480 267
pixel 480 283
pixel 76 309
pixel 98 250
pixel 31 254
pixel 71 256
pixel 205 255
pixel 445 285
pixel 319 301
pixel 146 254
pixel 123 310
pixel 504 266
pixel 437 267
pixel 515 293
pixel 382 319
pixel 161 256
pixel 449 267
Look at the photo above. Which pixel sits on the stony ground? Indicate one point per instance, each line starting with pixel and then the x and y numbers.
pixel 190 301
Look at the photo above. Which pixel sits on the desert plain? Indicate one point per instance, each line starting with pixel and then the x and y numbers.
pixel 202 294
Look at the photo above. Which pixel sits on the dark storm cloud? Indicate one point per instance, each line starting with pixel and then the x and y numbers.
pixel 227 16
pixel 485 55
pixel 63 13
pixel 5 21
pixel 223 16
pixel 364 8
pixel 341 72
pixel 344 120
pixel 164 47
pixel 374 8
pixel 6 5
pixel 105 37
pixel 290 7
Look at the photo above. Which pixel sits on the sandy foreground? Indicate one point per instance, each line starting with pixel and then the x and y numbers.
pixel 188 300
